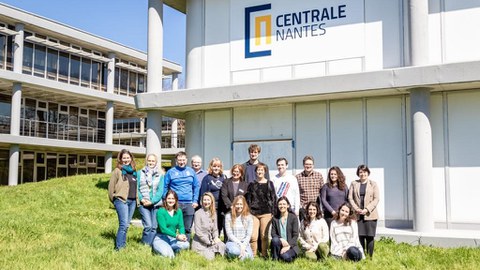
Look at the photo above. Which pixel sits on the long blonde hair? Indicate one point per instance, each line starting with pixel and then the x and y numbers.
pixel 214 161
pixel 211 210
pixel 245 211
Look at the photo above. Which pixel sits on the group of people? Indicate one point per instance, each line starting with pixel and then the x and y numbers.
pixel 293 215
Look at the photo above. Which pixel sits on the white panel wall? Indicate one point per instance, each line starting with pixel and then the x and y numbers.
pixel 218 137
pixel 464 158
pixel 461 38
pixel 437 122
pixel 217 48
pixel 385 150
pixel 346 125
pixel 260 123
pixel 277 73
pixel 345 66
pixel 311 134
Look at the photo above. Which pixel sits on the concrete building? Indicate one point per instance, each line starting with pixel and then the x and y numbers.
pixel 392 84
pixel 66 100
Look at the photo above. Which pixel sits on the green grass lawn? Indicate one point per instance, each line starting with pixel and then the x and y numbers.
pixel 69 223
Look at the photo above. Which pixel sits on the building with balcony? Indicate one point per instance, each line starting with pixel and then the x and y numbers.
pixel 66 100
pixel 392 84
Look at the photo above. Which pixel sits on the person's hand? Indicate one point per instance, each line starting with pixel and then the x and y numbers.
pixel 284 249
pixel 284 243
pixel 333 213
pixel 311 250
pixel 182 237
pixel 364 212
pixel 243 247
pixel 195 205
pixel 146 202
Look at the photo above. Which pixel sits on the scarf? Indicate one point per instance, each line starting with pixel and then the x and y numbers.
pixel 128 169
pixel 146 181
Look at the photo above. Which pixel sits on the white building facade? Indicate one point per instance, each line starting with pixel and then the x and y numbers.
pixel 391 84
pixel 66 100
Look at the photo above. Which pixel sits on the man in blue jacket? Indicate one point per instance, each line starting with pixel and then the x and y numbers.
pixel 183 180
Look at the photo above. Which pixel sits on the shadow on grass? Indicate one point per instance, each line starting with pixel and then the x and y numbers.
pixel 108 235
pixel 102 183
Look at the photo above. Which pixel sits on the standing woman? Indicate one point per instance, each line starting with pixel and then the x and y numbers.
pixel 261 198
pixel 284 232
pixel 150 191
pixel 213 183
pixel 239 227
pixel 364 196
pixel 314 233
pixel 206 241
pixel 334 193
pixel 344 235
pixel 171 237
pixel 233 186
pixel 122 192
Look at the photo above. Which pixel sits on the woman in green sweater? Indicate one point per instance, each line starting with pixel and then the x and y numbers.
pixel 171 237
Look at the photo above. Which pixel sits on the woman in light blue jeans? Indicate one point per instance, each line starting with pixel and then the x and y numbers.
pixel 171 237
pixel 150 191
pixel 239 228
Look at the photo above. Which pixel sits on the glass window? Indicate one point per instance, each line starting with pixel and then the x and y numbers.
pixel 86 69
pixel 28 166
pixel 40 158
pixel 27 58
pixel 52 64
pixel 4 160
pixel 104 76
pixel 123 81
pixel 52 120
pixel 39 60
pixel 9 53
pixel 132 89
pixel 141 83
pixel 3 43
pixel 72 165
pixel 96 69
pixel 63 67
pixel 117 79
pixel 74 69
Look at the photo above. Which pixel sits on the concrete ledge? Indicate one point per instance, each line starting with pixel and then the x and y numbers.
pixel 437 238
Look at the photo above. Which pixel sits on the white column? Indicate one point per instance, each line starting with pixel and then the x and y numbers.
pixel 142 130
pixel 194 122
pixel 174 130
pixel 174 81
pixel 13 165
pixel 155 73
pixel 109 112
pixel 422 154
pixel 418 27
pixel 194 43
pixel 18 49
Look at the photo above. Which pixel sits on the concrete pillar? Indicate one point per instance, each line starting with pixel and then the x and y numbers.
pixel 13 165
pixel 111 73
pixel 422 154
pixel 175 81
pixel 15 111
pixel 174 134
pixel 18 48
pixel 418 29
pixel 155 73
pixel 194 132
pixel 108 162
pixel 194 43
pixel 142 131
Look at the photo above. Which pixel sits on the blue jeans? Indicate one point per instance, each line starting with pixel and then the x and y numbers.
pixel 188 212
pixel 232 250
pixel 167 246
pixel 149 222
pixel 125 213
pixel 276 246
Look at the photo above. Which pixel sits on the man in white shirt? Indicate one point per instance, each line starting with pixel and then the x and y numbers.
pixel 287 185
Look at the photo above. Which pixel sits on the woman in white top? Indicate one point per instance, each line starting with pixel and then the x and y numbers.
pixel 344 235
pixel 239 227
pixel 314 233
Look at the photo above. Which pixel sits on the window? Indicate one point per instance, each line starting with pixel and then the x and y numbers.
pixel 123 81
pixel 74 69
pixel 39 60
pixel 141 83
pixel 3 44
pixel 52 64
pixel 86 69
pixel 96 71
pixel 104 76
pixel 63 63
pixel 27 58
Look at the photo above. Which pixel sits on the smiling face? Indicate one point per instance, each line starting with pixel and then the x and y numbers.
pixel 196 164
pixel 216 168
pixel 151 161
pixel 182 161
pixel 344 213
pixel 308 166
pixel 170 201
pixel 333 176
pixel 206 201
pixel 283 206
pixel 312 212
pixel 239 207
pixel 126 159
pixel 363 175
pixel 254 155
pixel 282 167
pixel 260 172
pixel 236 174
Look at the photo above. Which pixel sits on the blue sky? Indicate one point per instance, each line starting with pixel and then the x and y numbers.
pixel 123 21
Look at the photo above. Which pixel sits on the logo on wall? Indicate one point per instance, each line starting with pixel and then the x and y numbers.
pixel 261 22
pixel 261 31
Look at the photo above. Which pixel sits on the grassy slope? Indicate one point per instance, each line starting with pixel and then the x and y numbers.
pixel 69 223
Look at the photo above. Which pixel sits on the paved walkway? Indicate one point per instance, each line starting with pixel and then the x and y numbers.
pixel 438 237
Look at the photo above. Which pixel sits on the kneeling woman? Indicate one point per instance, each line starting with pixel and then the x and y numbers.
pixel 314 233
pixel 206 241
pixel 170 220
pixel 239 228
pixel 284 232
pixel 344 235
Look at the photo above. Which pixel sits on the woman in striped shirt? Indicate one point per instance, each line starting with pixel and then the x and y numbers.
pixel 344 235
pixel 239 227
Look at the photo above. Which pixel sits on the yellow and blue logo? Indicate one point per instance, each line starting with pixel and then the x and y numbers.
pixel 261 22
